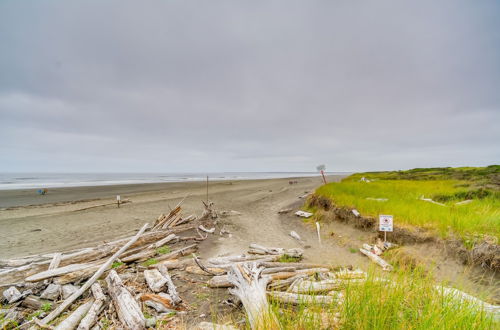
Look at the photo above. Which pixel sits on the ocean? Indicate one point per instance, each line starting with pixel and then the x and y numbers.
pixel 52 180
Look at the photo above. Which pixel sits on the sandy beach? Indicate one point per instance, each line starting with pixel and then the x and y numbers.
pixel 68 218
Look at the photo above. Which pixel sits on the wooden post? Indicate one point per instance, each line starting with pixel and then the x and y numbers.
pixel 318 230
pixel 118 198
pixel 323 175
pixel 207 189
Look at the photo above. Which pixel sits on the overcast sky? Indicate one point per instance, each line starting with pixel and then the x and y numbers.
pixel 169 86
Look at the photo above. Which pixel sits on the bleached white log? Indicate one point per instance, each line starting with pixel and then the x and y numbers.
pixel 58 272
pixel 92 315
pixel 355 212
pixel 296 299
pixel 176 264
pixel 56 260
pixel 78 275
pixel 377 199
pixel 11 293
pixel 431 201
pixel 322 286
pixel 150 250
pixel 304 214
pixel 74 318
pixel 295 235
pixel 278 270
pixel 213 326
pixel 210 231
pixel 218 261
pixel 91 281
pixel 172 290
pixel 129 312
pixel 348 274
pixel 467 201
pixel 463 297
pixel 52 292
pixel 164 241
pixel 282 284
pixel 155 280
pixel 376 259
pixel 250 288
pixel 178 253
pixel 198 271
pixel 297 265
pixel 318 231
pixel 259 249
pixel 219 281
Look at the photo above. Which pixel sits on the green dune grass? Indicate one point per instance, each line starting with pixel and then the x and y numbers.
pixel 404 190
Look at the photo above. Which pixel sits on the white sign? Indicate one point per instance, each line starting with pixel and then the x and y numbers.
pixel 385 223
pixel 118 198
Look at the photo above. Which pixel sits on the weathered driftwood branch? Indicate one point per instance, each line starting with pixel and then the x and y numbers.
pixel 163 223
pixel 162 302
pixel 250 288
pixel 172 290
pixel 91 318
pixel 208 211
pixel 149 251
pixel 295 235
pixel 66 303
pixel 178 253
pixel 58 272
pixel 155 280
pixel 176 264
pixel 71 322
pixel 259 249
pixel 296 299
pixel 322 286
pixel 128 310
pixel 376 259
pixel 462 297
pixel 296 265
pixel 209 231
pixel 212 271
pixel 228 261
pixel 78 275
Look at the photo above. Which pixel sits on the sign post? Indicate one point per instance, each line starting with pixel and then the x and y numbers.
pixel 385 224
pixel 118 199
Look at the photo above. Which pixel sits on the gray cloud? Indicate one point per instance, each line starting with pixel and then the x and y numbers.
pixel 248 85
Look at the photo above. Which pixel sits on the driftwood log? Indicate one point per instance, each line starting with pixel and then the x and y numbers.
pixel 259 249
pixel 128 310
pixel 71 322
pixel 91 318
pixel 66 303
pixel 296 299
pixel 376 259
pixel 250 288
pixel 172 290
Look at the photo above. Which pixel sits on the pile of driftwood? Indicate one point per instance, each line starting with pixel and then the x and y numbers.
pixel 259 275
pixel 375 251
pixel 105 284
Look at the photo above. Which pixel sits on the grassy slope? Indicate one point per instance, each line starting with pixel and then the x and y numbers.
pixel 446 185
pixel 407 302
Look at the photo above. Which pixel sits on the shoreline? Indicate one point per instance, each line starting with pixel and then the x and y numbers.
pixel 16 198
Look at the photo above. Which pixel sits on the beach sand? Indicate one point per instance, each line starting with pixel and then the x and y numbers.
pixel 68 218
